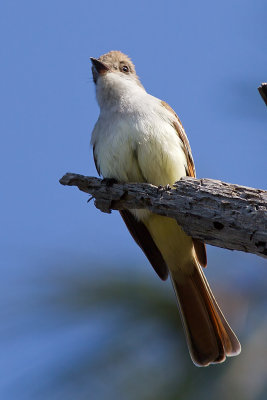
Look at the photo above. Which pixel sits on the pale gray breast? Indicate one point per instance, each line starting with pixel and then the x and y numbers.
pixel 115 141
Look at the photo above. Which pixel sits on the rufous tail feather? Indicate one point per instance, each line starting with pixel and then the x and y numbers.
pixel 210 338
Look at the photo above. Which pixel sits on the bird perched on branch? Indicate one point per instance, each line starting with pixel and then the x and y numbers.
pixel 139 138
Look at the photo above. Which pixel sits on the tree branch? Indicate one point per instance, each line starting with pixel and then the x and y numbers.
pixel 221 214
pixel 263 92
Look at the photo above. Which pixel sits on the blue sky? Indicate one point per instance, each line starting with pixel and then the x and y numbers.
pixel 205 59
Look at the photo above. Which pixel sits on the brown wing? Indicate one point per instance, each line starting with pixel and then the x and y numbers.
pixel 143 238
pixel 200 247
pixel 201 253
pixel 177 124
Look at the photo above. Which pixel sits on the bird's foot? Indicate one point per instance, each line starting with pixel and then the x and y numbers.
pixel 109 181
pixel 164 188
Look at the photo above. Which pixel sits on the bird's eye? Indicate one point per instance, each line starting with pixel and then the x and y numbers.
pixel 125 68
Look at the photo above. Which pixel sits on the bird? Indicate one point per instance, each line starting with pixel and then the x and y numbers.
pixel 139 138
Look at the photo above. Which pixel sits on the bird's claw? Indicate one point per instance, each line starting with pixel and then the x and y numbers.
pixel 109 181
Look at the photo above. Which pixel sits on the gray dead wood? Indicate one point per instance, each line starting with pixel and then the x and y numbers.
pixel 221 214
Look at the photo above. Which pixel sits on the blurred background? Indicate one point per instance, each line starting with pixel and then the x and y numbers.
pixel 84 316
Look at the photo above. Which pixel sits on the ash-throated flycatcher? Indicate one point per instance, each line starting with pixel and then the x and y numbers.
pixel 139 138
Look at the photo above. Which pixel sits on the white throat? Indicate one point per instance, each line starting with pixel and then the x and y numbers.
pixel 114 90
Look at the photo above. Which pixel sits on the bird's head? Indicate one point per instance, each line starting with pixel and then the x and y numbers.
pixel 114 75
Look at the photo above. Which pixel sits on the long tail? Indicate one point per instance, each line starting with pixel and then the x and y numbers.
pixel 210 338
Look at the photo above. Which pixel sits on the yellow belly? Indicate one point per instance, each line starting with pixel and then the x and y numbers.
pixel 174 244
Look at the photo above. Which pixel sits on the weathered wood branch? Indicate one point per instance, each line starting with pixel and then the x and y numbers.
pixel 263 92
pixel 218 213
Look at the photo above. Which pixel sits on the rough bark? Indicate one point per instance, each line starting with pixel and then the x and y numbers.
pixel 221 214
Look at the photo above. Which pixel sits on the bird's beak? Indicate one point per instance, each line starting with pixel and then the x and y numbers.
pixel 100 67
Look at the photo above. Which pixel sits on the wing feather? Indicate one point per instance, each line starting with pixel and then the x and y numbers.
pixel 143 238
pixel 200 247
